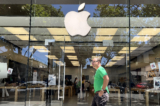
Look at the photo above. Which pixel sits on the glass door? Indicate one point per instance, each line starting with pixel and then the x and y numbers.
pixel 46 77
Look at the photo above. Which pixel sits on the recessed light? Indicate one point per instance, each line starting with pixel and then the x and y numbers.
pixel 51 56
pixel 58 31
pixel 72 57
pixel 106 31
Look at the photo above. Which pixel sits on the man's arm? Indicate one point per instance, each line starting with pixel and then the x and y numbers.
pixel 105 82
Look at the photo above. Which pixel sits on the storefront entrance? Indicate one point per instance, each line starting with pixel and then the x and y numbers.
pixel 46 49
pixel 58 42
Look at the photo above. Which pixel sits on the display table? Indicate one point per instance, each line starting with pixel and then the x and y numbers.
pixel 70 90
pixel 21 87
pixel 116 90
pixel 48 88
pixel 147 94
pixel 124 92
pixel 11 87
pixel 138 90
pixel 41 87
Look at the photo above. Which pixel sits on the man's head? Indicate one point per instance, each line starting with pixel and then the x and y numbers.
pixel 96 63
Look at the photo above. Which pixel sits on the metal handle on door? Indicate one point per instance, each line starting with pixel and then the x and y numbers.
pixel 63 82
pixel 59 80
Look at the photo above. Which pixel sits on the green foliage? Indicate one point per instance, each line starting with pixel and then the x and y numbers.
pixel 137 10
pixel 104 10
pixel 44 10
pixel 24 10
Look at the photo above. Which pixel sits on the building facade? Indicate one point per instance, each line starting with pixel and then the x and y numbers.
pixel 45 45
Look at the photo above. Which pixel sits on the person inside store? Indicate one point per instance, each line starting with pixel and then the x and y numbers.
pixel 132 84
pixel 89 84
pixel 69 82
pixel 122 85
pixel 66 81
pixel 9 81
pixel 45 79
pixel 2 84
pixel 48 92
pixel 83 81
pixel 101 80
pixel 75 85
pixel 78 86
pixel 86 85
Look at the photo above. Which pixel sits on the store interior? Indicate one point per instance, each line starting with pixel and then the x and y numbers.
pixel 130 55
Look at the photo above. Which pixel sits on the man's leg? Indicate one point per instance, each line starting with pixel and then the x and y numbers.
pixel 102 101
pixel 94 101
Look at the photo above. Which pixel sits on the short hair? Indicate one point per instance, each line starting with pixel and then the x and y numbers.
pixel 99 59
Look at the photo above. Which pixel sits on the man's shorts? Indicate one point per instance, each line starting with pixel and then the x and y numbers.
pixel 100 101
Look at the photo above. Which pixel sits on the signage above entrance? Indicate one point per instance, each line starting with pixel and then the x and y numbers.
pixel 76 23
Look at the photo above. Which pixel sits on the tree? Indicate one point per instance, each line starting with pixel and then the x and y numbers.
pixel 43 10
pixel 136 10
pixel 24 10
pixel 105 10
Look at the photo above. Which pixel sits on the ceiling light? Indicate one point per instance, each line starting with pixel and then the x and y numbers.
pixel 98 51
pixel 15 31
pixel 68 49
pixel 75 63
pixel 39 47
pixel 117 57
pixel 26 37
pixel 110 64
pixel 149 31
pixel 59 63
pixel 62 38
pixel 72 57
pixel 123 52
pixel 43 50
pixel 146 31
pixel 99 48
pixel 101 38
pixel 140 39
pixel 18 33
pixel 51 56
pixel 106 31
pixel 127 48
pixel 58 31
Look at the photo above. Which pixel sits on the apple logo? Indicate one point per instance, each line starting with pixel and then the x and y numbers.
pixel 76 22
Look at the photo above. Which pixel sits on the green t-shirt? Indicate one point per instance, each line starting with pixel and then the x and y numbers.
pixel 98 79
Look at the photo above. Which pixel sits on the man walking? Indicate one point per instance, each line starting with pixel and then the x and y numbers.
pixel 101 80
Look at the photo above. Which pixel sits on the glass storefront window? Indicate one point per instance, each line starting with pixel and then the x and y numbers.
pixel 47 48
pixel 14 39
pixel 144 59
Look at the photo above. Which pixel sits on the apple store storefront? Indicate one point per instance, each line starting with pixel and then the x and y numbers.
pixel 47 47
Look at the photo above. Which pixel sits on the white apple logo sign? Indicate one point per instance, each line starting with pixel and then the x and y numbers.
pixel 76 22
